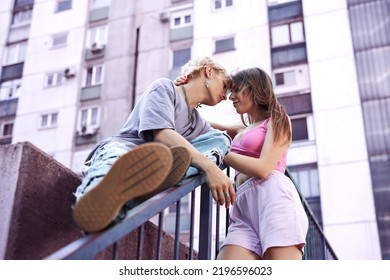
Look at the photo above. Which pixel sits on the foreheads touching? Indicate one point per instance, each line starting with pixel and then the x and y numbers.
pixel 257 81
pixel 193 68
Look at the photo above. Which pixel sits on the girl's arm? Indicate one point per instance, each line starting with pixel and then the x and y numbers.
pixel 259 167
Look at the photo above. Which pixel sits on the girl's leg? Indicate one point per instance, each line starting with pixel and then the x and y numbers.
pixel 283 253
pixel 234 252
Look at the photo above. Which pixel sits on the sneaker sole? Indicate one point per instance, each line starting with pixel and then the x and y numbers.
pixel 180 163
pixel 140 171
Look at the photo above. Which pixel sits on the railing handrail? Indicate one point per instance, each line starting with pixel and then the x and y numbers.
pixel 88 246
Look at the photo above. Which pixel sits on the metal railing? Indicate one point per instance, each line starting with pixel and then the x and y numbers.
pixel 91 245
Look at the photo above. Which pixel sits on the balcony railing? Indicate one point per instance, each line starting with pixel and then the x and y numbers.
pixel 91 245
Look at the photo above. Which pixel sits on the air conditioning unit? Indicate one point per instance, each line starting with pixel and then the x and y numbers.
pixel 87 131
pixel 97 48
pixel 69 73
pixel 164 17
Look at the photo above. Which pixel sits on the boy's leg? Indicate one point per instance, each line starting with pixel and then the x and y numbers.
pixel 115 177
pixel 214 145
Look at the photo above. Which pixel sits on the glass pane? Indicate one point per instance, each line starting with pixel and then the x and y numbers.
pixel 177 21
pixel 299 129
pixel 59 40
pixel 217 4
pixel 279 79
pixel 280 35
pixel 8 129
pixel 187 19
pixel 229 3
pixel 100 3
pixel 22 52
pixel 289 78
pixel 11 54
pixel 181 57
pixel 98 74
pixel 297 32
pixel 50 79
pixel 94 113
pixel 314 183
pixel 54 119
pixel 84 116
pixel 44 121
pixel 304 183
pixel 88 80
pixel 224 45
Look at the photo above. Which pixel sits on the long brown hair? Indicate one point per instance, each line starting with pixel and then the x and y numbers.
pixel 261 89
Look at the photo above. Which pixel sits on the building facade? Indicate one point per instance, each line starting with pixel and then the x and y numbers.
pixel 71 73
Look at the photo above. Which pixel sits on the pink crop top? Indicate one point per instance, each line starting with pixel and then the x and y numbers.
pixel 252 142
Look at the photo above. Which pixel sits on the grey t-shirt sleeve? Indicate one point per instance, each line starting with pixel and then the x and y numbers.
pixel 157 111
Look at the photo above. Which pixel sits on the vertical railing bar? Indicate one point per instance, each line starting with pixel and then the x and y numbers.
pixel 159 237
pixel 177 230
pixel 217 228
pixel 140 241
pixel 191 252
pixel 205 226
pixel 115 252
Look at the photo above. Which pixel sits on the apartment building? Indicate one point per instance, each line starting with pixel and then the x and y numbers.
pixel 72 70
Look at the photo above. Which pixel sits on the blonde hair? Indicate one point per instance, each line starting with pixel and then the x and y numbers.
pixel 193 68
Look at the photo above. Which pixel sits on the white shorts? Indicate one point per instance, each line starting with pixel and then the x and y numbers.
pixel 267 213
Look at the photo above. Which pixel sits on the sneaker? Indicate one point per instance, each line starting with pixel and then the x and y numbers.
pixel 136 173
pixel 180 163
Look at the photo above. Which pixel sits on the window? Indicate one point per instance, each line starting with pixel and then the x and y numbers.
pixel 285 78
pixel 307 180
pixel 6 130
pixel 219 4
pixel 181 19
pixel 63 5
pixel 97 36
pixel 59 40
pixel 95 4
pixel 94 75
pixel 299 129
pixel 10 89
pixel 54 79
pixel 224 45
pixel 16 53
pixel 286 34
pixel 181 57
pixel 49 120
pixel 21 17
pixel 89 117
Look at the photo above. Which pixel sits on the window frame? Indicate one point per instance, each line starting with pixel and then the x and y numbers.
pixel 2 129
pixel 58 5
pixel 15 86
pixel 309 127
pixel 181 14
pixel 58 78
pixel 49 122
pixel 18 56
pixel 93 75
pixel 59 36
pixel 23 21
pixel 98 38
pixel 89 117
pixel 289 40
pixel 226 49
pixel 223 5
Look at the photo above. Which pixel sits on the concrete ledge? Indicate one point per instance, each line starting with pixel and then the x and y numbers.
pixel 36 198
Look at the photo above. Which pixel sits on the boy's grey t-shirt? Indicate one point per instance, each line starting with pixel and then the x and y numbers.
pixel 160 106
